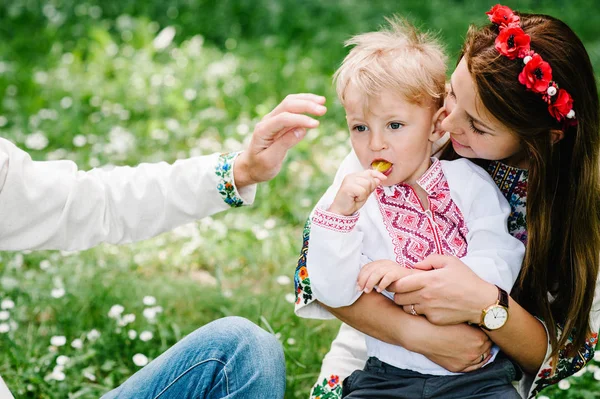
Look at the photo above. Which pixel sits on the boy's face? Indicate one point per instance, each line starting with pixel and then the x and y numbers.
pixel 389 128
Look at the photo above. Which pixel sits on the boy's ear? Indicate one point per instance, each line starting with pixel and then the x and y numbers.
pixel 436 125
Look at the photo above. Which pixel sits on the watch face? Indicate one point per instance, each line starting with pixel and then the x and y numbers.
pixel 495 317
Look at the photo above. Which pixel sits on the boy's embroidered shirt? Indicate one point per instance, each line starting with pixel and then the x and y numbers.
pixel 393 224
pixel 513 184
pixel 416 230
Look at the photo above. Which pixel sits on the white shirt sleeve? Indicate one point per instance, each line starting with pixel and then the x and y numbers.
pixel 493 254
pixel 334 255
pixel 53 205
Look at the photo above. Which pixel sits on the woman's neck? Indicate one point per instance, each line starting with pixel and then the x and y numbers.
pixel 519 160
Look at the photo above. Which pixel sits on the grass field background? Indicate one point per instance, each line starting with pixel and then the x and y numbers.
pixel 123 82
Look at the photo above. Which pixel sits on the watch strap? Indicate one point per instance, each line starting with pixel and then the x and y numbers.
pixel 502 297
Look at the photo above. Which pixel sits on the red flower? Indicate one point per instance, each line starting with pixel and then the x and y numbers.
pixel 536 75
pixel 333 380
pixel 502 16
pixel 545 373
pixel 512 42
pixel 561 106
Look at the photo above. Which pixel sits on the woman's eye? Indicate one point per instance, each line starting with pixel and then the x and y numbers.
pixel 395 125
pixel 361 128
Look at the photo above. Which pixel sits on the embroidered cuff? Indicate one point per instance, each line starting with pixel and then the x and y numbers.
pixel 335 222
pixel 226 184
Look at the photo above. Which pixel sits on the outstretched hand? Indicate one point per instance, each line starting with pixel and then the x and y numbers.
pixel 274 135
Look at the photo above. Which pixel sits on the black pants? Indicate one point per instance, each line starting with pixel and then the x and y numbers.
pixel 382 381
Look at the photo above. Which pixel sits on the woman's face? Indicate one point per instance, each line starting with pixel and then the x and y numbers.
pixel 474 132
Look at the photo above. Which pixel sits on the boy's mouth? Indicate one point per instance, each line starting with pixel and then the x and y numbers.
pixel 382 166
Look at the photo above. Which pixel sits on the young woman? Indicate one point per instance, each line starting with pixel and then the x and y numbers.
pixel 523 98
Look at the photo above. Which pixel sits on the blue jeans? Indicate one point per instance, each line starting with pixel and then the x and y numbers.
pixel 228 358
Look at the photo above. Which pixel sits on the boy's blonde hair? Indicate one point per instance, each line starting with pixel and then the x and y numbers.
pixel 398 58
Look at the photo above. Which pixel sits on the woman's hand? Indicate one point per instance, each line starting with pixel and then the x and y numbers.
pixel 460 348
pixel 274 135
pixel 457 348
pixel 451 293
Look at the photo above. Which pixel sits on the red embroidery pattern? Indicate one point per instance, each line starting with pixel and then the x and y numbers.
pixel 417 233
pixel 332 221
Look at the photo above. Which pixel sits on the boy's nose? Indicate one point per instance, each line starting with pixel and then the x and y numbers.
pixel 377 142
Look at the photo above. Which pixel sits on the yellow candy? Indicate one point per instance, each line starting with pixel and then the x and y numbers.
pixel 381 166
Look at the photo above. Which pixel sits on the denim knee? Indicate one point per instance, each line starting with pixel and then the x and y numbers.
pixel 249 352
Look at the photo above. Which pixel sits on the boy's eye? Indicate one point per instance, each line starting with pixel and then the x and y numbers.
pixel 395 125
pixel 361 128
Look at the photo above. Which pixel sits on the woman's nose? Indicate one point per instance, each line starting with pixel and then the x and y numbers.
pixel 449 123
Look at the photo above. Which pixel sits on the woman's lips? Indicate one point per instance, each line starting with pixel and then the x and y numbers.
pixel 457 144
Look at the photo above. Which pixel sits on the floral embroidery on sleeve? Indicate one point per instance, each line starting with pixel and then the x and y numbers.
pixel 225 186
pixel 329 388
pixel 301 280
pixel 566 366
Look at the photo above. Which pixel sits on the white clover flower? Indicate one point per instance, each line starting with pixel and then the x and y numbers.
pixel 140 360
pixel 132 334
pixel 190 94
pixel 291 341
pixel 79 140
pixel 270 223
pixel 93 335
pixel 36 141
pixel 4 315
pixel 597 356
pixel 115 311
pixel 3 121
pixel 4 328
pixel 580 372
pixel 62 360
pixel 564 384
pixel 283 280
pixel 149 313
pixel 291 298
pixel 89 375
pixel 7 304
pixel 542 397
pixel 129 318
pixel 57 293
pixel 66 102
pixel 149 300
pixel 77 343
pixel 45 264
pixel 597 375
pixel 164 38
pixel 58 340
pixel 146 336
pixel 58 373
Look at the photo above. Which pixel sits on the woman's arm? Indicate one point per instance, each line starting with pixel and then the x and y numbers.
pixel 457 348
pixel 455 294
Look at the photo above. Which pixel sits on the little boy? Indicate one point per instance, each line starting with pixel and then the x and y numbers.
pixel 403 205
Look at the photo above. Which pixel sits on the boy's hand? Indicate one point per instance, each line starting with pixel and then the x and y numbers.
pixel 274 135
pixel 355 191
pixel 381 273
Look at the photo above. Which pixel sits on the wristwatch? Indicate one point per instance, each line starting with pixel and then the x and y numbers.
pixel 495 316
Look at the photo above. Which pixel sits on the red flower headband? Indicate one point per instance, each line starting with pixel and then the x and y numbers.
pixel 513 42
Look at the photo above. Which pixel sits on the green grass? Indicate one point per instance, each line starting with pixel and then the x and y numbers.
pixel 82 80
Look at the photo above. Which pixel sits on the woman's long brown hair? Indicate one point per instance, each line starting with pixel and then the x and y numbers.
pixel 563 193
